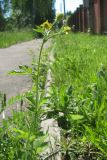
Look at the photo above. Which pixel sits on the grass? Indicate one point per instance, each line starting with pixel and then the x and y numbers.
pixel 79 95
pixel 9 38
pixel 82 56
pixel 77 101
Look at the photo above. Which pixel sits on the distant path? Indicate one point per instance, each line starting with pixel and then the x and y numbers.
pixel 10 58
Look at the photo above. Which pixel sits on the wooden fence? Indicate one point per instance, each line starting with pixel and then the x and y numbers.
pixel 92 17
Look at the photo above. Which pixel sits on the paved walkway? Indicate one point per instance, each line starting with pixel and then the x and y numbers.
pixel 10 59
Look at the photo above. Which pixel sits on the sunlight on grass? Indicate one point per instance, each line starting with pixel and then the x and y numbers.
pixel 80 56
pixel 9 38
pixel 79 93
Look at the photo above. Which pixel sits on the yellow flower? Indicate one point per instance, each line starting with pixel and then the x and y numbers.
pixel 46 25
pixel 67 29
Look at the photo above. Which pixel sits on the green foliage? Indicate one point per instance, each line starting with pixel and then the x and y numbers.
pixel 77 100
pixel 16 140
pixel 78 96
pixel 21 136
pixel 25 12
pixel 17 20
pixel 2 20
pixel 8 38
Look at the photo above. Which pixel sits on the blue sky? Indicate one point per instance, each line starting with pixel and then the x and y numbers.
pixel 71 5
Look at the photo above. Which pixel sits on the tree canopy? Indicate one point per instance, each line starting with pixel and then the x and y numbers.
pixel 37 10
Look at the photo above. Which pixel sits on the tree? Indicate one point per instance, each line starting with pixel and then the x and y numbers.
pixel 2 20
pixel 37 10
pixel 44 10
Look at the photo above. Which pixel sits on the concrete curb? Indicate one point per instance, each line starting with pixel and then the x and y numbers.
pixel 50 126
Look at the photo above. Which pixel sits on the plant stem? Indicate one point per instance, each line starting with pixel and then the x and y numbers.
pixel 37 88
pixel 37 82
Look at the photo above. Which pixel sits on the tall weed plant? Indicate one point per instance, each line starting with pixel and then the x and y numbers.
pixel 77 99
pixel 21 136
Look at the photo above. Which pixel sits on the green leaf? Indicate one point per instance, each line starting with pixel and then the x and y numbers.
pixel 14 72
pixel 76 117
pixel 40 144
pixel 18 98
pixel 32 109
pixel 31 99
pixel 43 101
pixel 14 99
pixel 23 70
pixel 39 29
pixel 23 134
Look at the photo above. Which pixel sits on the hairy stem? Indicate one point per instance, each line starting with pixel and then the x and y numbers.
pixel 37 88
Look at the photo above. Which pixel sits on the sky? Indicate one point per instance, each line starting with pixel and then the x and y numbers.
pixel 71 5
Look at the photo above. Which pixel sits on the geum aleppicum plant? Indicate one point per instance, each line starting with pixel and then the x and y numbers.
pixel 34 97
pixel 21 136
pixel 48 31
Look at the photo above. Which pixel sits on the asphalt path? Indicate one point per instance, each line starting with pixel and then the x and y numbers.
pixel 10 59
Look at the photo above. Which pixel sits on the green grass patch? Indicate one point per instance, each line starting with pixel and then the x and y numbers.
pixel 9 38
pixel 80 57
pixel 79 95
